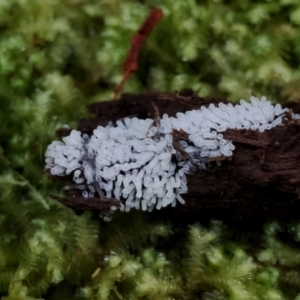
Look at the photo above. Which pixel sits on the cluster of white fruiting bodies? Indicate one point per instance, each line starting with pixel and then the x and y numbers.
pixel 135 161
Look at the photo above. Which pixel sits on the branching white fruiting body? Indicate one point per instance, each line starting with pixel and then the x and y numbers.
pixel 137 162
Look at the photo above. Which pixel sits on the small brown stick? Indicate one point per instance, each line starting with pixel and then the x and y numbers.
pixel 217 158
pixel 185 100
pixel 156 117
pixel 247 137
pixel 137 43
pixel 188 98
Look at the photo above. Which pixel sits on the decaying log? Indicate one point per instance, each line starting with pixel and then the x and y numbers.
pixel 261 181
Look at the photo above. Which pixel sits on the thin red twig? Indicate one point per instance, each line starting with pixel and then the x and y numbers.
pixel 137 42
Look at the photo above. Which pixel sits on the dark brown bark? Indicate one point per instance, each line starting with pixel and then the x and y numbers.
pixel 261 181
pixel 80 203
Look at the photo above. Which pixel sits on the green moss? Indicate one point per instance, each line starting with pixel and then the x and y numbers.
pixel 58 56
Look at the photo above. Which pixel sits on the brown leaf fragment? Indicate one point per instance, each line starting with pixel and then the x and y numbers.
pixel 288 119
pixel 179 135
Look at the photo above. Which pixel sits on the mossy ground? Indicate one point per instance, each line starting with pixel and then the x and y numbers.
pixel 58 56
